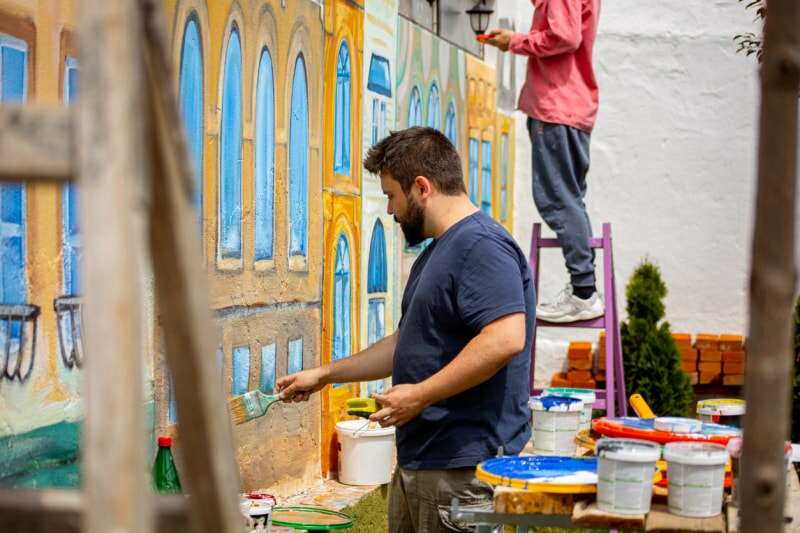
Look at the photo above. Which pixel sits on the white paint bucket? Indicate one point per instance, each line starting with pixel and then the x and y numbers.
pixel 625 470
pixel 555 424
pixel 366 454
pixel 726 411
pixel 588 397
pixel 696 475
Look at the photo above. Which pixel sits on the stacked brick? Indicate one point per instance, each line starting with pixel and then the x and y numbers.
pixel 580 366
pixel 712 358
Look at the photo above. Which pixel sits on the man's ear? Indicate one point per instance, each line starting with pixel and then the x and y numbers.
pixel 424 186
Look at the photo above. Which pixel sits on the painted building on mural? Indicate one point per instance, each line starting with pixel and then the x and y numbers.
pixel 279 101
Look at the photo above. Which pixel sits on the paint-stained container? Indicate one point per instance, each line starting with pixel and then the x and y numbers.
pixel 674 424
pixel 555 424
pixel 625 475
pixel 366 453
pixel 588 397
pixel 726 411
pixel 696 475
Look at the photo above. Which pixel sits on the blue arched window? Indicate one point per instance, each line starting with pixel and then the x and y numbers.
pixel 191 103
pixel 414 109
pixel 376 275
pixel 71 234
pixel 434 108
pixel 265 159
pixel 13 89
pixel 342 298
pixel 341 135
pixel 230 195
pixel 473 170
pixel 486 177
pixel 298 162
pixel 450 128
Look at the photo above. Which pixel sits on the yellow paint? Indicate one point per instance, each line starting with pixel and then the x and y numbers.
pixel 504 125
pixel 481 112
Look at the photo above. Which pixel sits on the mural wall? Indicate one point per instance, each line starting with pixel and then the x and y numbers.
pixel 280 101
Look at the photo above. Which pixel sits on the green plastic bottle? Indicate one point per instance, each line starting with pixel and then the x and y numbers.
pixel 165 475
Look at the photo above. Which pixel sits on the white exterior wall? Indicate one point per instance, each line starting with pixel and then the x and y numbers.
pixel 673 160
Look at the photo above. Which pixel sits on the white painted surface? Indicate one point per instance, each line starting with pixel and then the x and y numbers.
pixel 673 159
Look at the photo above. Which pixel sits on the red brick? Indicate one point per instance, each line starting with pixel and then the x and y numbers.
pixel 581 364
pixel 708 377
pixel 559 380
pixel 710 366
pixel 730 343
pixel 733 379
pixel 578 375
pixel 733 368
pixel 710 355
pixel 707 341
pixel 688 354
pixel 733 357
pixel 689 366
pixel 683 340
pixel 579 350
pixel 583 384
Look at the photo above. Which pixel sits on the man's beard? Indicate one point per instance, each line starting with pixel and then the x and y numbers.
pixel 413 223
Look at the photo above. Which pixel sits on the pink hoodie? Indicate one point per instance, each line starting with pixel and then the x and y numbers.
pixel 560 86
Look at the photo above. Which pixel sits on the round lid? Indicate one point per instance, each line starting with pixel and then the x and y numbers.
pixel 677 425
pixel 696 453
pixel 555 403
pixel 631 450
pixel 587 395
pixel 165 442
pixel 363 428
pixel 721 407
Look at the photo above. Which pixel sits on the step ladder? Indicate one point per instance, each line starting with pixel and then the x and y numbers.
pixel 612 398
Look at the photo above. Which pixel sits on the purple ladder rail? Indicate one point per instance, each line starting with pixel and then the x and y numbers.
pixel 613 396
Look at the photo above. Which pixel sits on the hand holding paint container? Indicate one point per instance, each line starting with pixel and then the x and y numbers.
pixel 726 411
pixel 696 476
pixel 588 397
pixel 625 475
pixel 555 424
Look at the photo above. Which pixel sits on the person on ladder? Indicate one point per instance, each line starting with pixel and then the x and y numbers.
pixel 560 97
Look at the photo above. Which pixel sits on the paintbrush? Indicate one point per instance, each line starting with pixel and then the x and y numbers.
pixel 250 405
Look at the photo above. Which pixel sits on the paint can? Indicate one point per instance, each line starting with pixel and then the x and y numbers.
pixel 625 475
pixel 588 397
pixel 672 424
pixel 366 453
pixel 696 476
pixel 555 424
pixel 726 411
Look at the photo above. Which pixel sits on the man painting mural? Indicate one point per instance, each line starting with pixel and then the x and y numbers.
pixel 459 359
pixel 560 98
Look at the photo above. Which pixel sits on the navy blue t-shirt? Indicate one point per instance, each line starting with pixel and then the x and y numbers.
pixel 472 275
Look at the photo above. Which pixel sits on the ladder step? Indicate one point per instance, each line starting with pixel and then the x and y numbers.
pixel 594 242
pixel 594 323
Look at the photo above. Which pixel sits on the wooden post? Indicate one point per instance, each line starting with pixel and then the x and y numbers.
pixel 772 282
pixel 113 167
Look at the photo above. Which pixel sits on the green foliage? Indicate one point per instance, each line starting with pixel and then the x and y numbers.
pixel 652 361
pixel 796 379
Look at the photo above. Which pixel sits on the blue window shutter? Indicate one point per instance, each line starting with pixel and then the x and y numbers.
pixel 298 162
pixel 376 270
pixel 486 177
pixel 230 209
pixel 240 370
pixel 342 298
pixel 268 368
pixel 265 159
pixel 434 108
pixel 295 356
pixel 341 156
pixel 473 170
pixel 190 95
pixel 379 78
pixel 375 320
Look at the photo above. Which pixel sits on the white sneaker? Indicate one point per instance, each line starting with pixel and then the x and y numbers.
pixel 569 308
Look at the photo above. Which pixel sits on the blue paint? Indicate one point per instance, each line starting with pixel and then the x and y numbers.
pixel 268 368
pixel 434 108
pixel 230 164
pixel 295 356
pixel 265 159
pixel 414 108
pixel 531 468
pixel 549 402
pixel 379 79
pixel 486 177
pixel 341 131
pixel 375 320
pixel 298 162
pixel 504 177
pixel 190 96
pixel 376 270
pixel 647 424
pixel 70 236
pixel 473 170
pixel 342 298
pixel 450 128
pixel 172 406
pixel 240 371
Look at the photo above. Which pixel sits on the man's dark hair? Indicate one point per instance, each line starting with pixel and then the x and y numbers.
pixel 418 151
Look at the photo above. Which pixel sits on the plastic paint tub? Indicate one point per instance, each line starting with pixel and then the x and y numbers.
pixel 677 425
pixel 366 454
pixel 726 411
pixel 695 475
pixel 555 424
pixel 588 397
pixel 625 475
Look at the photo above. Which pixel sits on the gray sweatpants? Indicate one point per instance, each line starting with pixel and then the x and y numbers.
pixel 560 164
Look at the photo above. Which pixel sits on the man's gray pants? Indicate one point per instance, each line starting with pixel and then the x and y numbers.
pixel 560 164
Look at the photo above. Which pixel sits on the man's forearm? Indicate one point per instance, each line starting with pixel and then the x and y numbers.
pixel 373 363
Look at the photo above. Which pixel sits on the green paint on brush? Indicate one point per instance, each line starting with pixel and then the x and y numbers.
pixel 251 405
